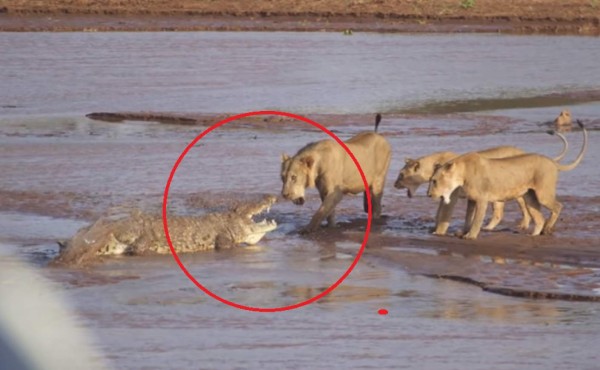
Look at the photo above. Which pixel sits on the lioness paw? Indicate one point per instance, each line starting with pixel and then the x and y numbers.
pixel 469 236
pixel 548 231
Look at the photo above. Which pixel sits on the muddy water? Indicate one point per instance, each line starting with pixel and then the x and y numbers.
pixel 302 72
pixel 61 170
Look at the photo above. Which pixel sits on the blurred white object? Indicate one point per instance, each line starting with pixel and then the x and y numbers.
pixel 37 331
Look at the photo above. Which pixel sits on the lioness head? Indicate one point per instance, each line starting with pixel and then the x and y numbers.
pixel 446 178
pixel 411 176
pixel 563 119
pixel 297 174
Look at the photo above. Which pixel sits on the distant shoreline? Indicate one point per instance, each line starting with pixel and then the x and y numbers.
pixel 553 17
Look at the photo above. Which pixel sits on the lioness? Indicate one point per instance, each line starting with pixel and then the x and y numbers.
pixel 326 166
pixel 483 180
pixel 563 121
pixel 418 171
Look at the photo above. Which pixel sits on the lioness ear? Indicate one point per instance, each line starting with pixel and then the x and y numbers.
pixel 308 161
pixel 417 165
pixel 407 160
pixel 436 167
pixel 449 166
pixel 284 157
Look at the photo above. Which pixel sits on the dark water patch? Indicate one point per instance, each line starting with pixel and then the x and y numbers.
pixel 493 104
pixel 269 122
pixel 153 117
pixel 520 292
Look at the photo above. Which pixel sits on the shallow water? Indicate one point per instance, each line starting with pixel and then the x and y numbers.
pixel 61 170
pixel 127 299
pixel 301 72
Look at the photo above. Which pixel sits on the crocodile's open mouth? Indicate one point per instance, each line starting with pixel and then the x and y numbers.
pixel 259 228
pixel 264 207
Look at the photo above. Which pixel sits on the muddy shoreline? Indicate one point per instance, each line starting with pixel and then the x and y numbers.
pixel 573 17
pixel 497 257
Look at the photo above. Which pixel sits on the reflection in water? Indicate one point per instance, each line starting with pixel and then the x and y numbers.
pixel 343 294
pixel 512 311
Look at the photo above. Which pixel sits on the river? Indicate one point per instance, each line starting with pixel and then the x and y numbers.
pixel 62 170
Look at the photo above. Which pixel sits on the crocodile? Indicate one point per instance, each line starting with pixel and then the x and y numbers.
pixel 140 233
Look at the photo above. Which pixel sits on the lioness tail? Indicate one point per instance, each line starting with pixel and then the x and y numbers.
pixel 377 120
pixel 569 167
pixel 565 148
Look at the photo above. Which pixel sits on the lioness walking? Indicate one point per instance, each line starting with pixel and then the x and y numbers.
pixel 483 180
pixel 419 171
pixel 326 166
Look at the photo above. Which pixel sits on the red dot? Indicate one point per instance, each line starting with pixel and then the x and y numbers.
pixel 382 311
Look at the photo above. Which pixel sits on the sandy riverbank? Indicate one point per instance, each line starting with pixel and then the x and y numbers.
pixel 515 16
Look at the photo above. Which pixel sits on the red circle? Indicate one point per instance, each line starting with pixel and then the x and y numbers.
pixel 382 311
pixel 266 309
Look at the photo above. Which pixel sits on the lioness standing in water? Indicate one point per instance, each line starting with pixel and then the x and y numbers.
pixel 418 171
pixel 483 180
pixel 326 166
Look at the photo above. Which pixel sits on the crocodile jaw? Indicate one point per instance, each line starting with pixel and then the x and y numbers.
pixel 113 247
pixel 259 229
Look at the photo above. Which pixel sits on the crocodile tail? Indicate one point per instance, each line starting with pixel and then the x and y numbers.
pixel 569 167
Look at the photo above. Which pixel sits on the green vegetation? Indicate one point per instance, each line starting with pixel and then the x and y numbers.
pixel 467 4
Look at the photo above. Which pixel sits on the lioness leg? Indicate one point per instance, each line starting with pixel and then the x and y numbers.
pixel 550 202
pixel 378 185
pixel 497 215
pixel 331 216
pixel 469 216
pixel 444 212
pixel 377 195
pixel 480 208
pixel 526 220
pixel 375 202
pixel 535 210
pixel 325 210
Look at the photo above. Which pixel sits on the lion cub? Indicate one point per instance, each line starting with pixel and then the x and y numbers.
pixel 326 166
pixel 483 180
